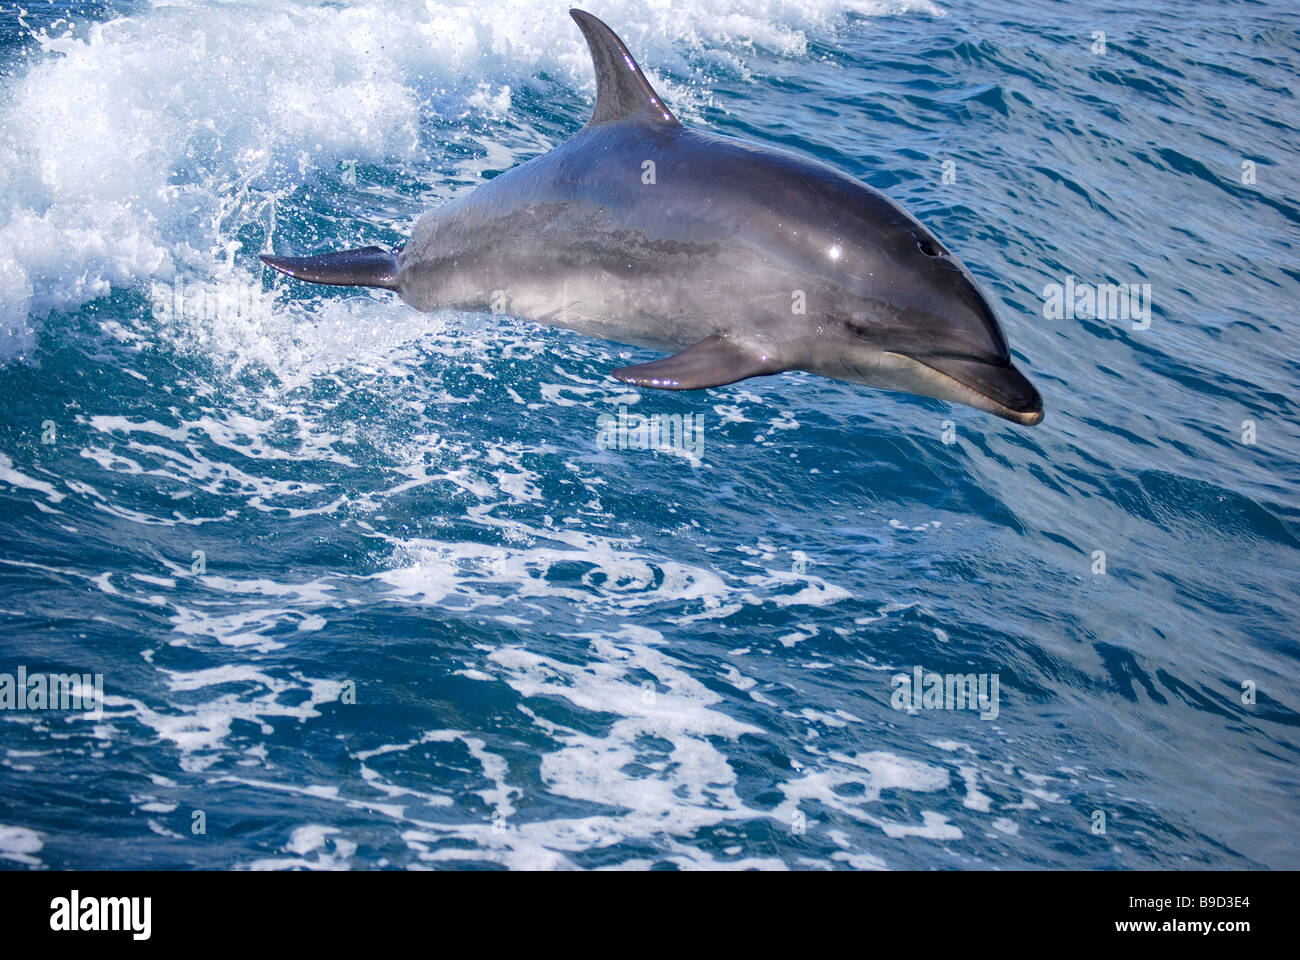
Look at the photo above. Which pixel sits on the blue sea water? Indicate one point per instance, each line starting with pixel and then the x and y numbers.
pixel 365 592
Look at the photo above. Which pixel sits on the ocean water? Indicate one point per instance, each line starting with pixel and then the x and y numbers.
pixel 365 592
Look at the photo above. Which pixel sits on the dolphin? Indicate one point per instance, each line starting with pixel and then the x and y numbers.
pixel 740 259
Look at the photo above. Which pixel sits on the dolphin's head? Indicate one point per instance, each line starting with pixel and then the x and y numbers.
pixel 913 319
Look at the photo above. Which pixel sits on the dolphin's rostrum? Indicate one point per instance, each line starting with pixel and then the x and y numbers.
pixel 747 260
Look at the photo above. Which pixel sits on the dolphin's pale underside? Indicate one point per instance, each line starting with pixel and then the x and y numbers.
pixel 741 259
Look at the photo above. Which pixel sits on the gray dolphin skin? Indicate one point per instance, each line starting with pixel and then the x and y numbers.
pixel 740 259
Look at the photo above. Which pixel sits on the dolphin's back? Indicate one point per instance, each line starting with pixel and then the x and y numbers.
pixel 632 224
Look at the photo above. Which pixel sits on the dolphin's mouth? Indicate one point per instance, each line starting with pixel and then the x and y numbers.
pixel 1001 390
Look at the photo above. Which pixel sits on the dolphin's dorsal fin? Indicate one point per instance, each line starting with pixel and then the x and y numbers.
pixel 622 91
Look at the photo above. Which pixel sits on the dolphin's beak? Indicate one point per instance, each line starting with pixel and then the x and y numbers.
pixel 999 389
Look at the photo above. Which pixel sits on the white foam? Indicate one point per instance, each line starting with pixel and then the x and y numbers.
pixel 975 799
pixel 870 774
pixel 16 478
pixel 199 729
pixel 20 844
pixel 308 839
pixel 619 580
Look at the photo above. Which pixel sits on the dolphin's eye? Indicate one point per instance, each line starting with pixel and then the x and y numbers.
pixel 928 248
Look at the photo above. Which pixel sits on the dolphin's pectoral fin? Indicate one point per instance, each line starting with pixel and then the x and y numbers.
pixel 710 363
pixel 622 91
pixel 364 267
